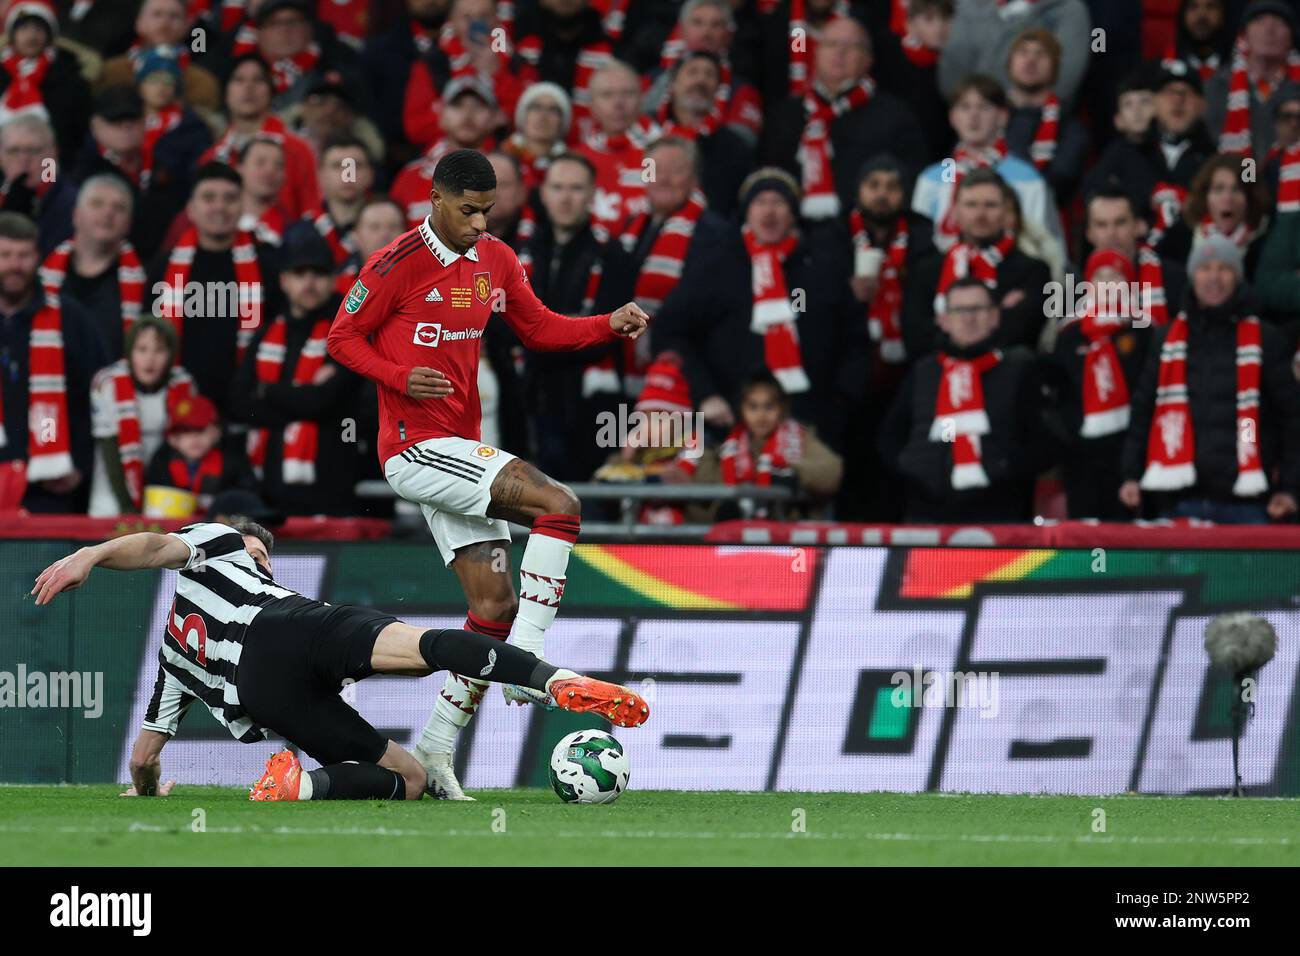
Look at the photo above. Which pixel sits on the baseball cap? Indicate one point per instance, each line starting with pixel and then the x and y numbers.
pixel 460 85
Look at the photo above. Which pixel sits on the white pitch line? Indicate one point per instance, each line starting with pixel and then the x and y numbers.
pixel 139 827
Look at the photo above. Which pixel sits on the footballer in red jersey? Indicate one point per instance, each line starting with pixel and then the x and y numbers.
pixel 413 323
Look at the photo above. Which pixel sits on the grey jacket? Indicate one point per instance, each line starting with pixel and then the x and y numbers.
pixel 981 39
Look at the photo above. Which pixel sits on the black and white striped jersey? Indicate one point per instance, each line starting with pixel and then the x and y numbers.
pixel 218 594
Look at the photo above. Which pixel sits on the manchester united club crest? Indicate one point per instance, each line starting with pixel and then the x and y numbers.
pixel 485 451
pixel 483 287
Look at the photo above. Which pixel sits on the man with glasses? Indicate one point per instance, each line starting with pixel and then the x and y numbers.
pixel 29 185
pixel 966 433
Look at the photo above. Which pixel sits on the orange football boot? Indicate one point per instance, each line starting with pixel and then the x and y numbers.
pixel 280 782
pixel 614 702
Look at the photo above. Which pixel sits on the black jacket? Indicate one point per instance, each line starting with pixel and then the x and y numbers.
pixel 1018 447
pixel 552 381
pixel 918 87
pixel 562 41
pixel 273 405
pixel 1021 324
pixel 387 59
pixel 773 29
pixel 66 96
pixel 727 159
pixel 83 356
pixel 884 125
pixel 153 209
pixel 1066 168
pixel 832 331
pixel 1212 397
pixel 1138 167
pixel 51 212
pixel 706 317
pixel 209 342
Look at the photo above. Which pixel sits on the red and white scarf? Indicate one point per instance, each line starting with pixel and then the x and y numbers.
pixel 964 259
pixel 1206 67
pixel 1105 395
pixel 884 314
pixel 287 70
pixel 772 316
pixel 820 200
pixel 302 438
pixel 26 77
pixel 226 150
pixel 602 374
pixel 917 53
pixel 780 451
pixel 1241 237
pixel 248 278
pixel 663 123
pixel 801 54
pixel 1235 137
pixel 1105 390
pixel 424 40
pixel 156 126
pixel 660 272
pixel 1171 444
pixel 1151 279
pixel 613 16
pixel 1043 149
pixel 130 278
pixel 49 448
pixel 268 228
pixel 1288 180
pixel 662 269
pixel 127 410
pixel 1167 201
pixel 342 246
pixel 964 160
pixel 959 415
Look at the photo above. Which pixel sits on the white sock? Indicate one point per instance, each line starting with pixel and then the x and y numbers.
pixel 459 699
pixel 542 579
pixel 457 702
pixel 305 786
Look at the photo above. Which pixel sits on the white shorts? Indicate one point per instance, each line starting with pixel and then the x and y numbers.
pixel 451 480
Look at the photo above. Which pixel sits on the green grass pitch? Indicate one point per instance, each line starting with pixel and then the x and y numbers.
pixel 91 825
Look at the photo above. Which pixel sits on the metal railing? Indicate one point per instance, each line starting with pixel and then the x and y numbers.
pixel 630 498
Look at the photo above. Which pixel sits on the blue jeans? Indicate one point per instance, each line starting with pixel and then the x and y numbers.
pixel 1220 512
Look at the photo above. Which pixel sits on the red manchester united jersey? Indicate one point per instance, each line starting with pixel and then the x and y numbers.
pixel 416 303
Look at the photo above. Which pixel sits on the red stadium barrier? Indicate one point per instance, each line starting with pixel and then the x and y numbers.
pixel 16 524
pixel 1065 534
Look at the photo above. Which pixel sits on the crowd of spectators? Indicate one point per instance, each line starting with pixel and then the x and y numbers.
pixel 920 260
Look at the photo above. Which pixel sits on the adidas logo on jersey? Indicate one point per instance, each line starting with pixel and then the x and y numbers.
pixel 434 296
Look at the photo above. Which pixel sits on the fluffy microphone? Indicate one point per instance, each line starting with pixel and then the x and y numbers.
pixel 1240 642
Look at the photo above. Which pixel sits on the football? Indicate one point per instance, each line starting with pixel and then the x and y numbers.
pixel 589 766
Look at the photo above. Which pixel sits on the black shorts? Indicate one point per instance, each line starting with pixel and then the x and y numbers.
pixel 296 655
